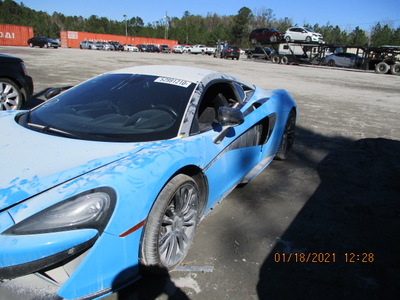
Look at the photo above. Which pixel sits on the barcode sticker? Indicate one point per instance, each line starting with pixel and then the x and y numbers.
pixel 173 81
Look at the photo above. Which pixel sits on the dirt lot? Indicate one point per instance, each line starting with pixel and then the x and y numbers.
pixel 324 224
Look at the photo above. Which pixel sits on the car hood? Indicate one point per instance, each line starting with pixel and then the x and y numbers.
pixel 33 162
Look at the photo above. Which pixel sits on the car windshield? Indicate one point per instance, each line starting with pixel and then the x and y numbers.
pixel 115 108
pixel 308 29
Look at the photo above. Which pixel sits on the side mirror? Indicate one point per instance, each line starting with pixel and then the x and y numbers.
pixel 52 92
pixel 55 91
pixel 228 117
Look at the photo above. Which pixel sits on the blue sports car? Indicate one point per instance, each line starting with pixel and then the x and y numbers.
pixel 113 175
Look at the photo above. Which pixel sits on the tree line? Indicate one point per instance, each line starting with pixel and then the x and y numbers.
pixel 190 28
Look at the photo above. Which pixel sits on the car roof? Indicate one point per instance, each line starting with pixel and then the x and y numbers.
pixel 179 72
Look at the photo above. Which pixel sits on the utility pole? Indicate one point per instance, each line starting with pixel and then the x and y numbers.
pixel 166 25
pixel 126 26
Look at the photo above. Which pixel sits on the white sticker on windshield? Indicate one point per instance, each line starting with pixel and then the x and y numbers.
pixel 178 82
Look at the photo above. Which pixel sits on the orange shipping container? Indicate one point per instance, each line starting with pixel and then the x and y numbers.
pixel 71 39
pixel 14 35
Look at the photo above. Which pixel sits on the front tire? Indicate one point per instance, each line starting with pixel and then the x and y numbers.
pixel 170 226
pixel 331 63
pixel 10 95
pixel 287 137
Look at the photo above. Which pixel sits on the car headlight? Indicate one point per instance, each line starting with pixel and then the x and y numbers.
pixel 91 209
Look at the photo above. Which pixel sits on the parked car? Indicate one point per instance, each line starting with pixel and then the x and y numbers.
pixel 16 86
pixel 104 46
pixel 130 47
pixel 99 46
pixel 349 60
pixel 58 41
pixel 177 49
pixel 142 48
pixel 110 182
pixel 165 49
pixel 303 34
pixel 260 53
pixel 153 48
pixel 266 35
pixel 209 50
pixel 116 45
pixel 90 45
pixel 230 52
pixel 186 49
pixel 42 42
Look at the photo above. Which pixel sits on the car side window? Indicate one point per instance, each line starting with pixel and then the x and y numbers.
pixel 217 95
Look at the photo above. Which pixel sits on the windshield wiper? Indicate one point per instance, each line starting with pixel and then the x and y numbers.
pixel 48 129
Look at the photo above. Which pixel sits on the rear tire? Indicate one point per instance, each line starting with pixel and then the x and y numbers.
pixel 287 137
pixel 284 60
pixel 170 226
pixel 395 69
pixel 382 68
pixel 275 59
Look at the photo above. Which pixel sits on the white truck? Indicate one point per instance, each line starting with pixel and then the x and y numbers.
pixel 201 49
pixel 298 52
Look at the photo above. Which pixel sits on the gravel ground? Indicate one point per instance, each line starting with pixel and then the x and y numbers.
pixel 322 224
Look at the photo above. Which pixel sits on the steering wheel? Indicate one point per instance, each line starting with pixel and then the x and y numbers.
pixel 168 109
pixel 113 106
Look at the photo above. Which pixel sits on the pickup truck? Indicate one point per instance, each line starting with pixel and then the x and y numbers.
pixel 201 49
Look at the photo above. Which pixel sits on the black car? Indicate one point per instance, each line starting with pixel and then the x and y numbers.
pixel 117 46
pixel 165 49
pixel 15 84
pixel 260 53
pixel 42 42
pixel 142 48
pixel 230 52
pixel 153 48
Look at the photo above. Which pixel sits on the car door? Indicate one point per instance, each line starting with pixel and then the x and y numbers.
pixel 296 34
pixel 342 60
pixel 228 160
pixel 350 60
pixel 339 59
pixel 302 34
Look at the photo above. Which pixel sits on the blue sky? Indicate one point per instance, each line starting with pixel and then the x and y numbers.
pixel 345 13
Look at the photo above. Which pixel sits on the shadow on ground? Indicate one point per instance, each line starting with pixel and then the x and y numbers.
pixel 151 287
pixel 353 216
